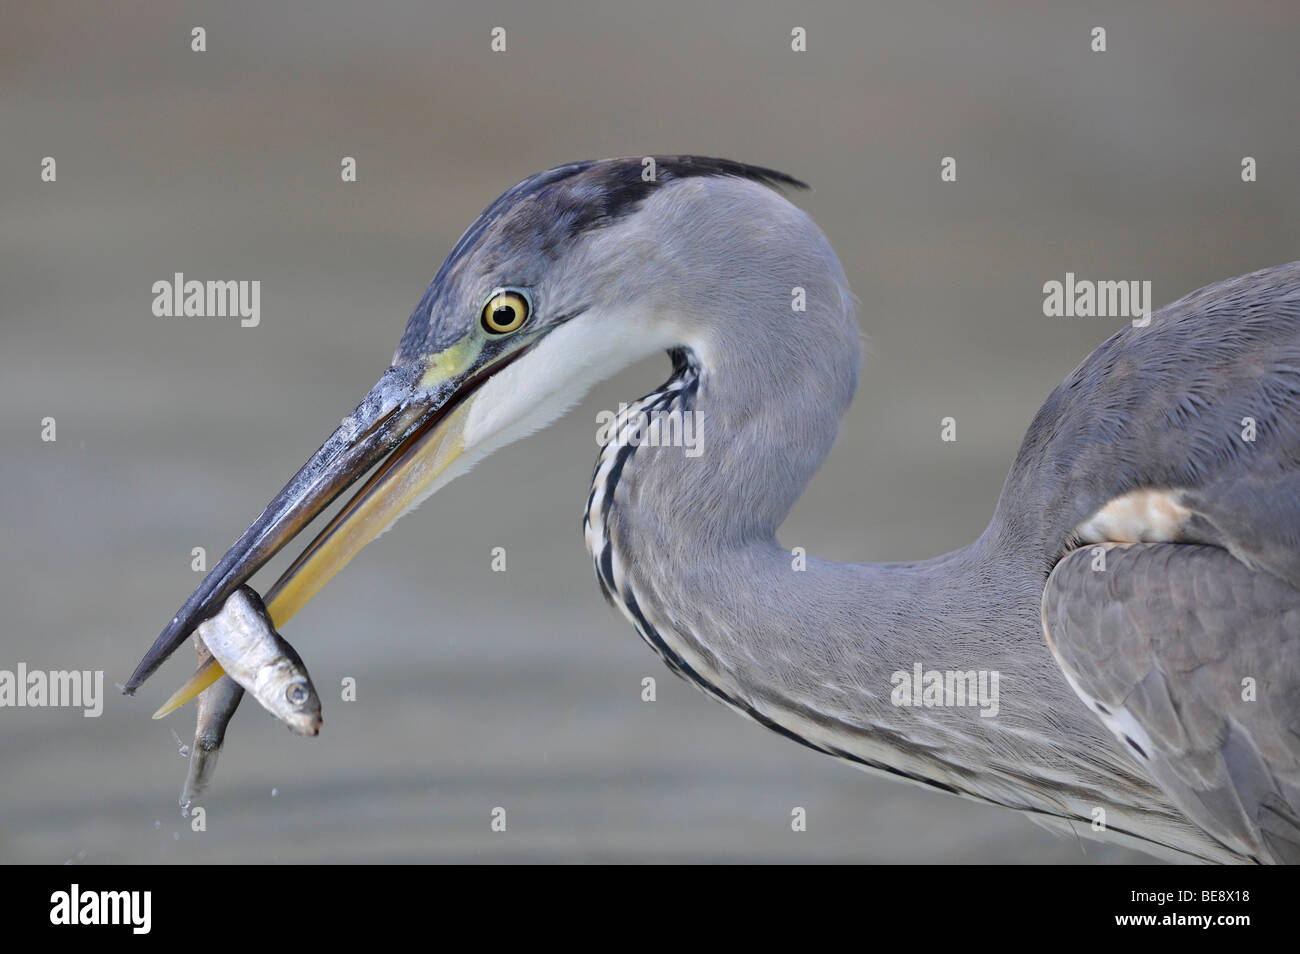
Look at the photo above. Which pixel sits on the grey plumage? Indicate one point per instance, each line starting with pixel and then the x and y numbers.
pixel 701 263
pixel 532 226
pixel 1163 406
pixel 1163 640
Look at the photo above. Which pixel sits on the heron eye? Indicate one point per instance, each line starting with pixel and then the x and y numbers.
pixel 504 312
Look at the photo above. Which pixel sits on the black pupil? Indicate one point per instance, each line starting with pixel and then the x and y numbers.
pixel 504 315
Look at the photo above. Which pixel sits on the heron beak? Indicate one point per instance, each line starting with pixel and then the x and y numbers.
pixel 411 425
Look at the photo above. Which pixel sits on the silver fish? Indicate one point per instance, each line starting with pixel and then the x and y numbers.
pixel 217 704
pixel 245 643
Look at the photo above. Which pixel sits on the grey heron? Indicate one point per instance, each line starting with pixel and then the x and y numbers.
pixel 1135 592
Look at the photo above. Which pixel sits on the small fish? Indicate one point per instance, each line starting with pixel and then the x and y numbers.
pixel 216 705
pixel 243 640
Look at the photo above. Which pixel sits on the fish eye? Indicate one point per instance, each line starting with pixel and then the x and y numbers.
pixel 296 694
pixel 505 311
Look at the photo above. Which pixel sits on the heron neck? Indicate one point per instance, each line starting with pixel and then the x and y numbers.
pixel 818 650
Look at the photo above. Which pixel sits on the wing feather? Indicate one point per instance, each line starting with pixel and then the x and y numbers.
pixel 1192 659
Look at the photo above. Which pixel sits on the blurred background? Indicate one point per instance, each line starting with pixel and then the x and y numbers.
pixel 522 690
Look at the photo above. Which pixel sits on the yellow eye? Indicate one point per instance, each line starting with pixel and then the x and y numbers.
pixel 504 312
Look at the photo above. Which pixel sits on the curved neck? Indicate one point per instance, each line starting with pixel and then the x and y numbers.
pixel 686 547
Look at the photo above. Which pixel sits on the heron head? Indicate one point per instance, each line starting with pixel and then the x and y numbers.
pixel 565 279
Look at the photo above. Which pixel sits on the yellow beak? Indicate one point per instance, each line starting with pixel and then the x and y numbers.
pixel 400 483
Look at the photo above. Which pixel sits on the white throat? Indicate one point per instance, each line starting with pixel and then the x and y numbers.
pixel 549 380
